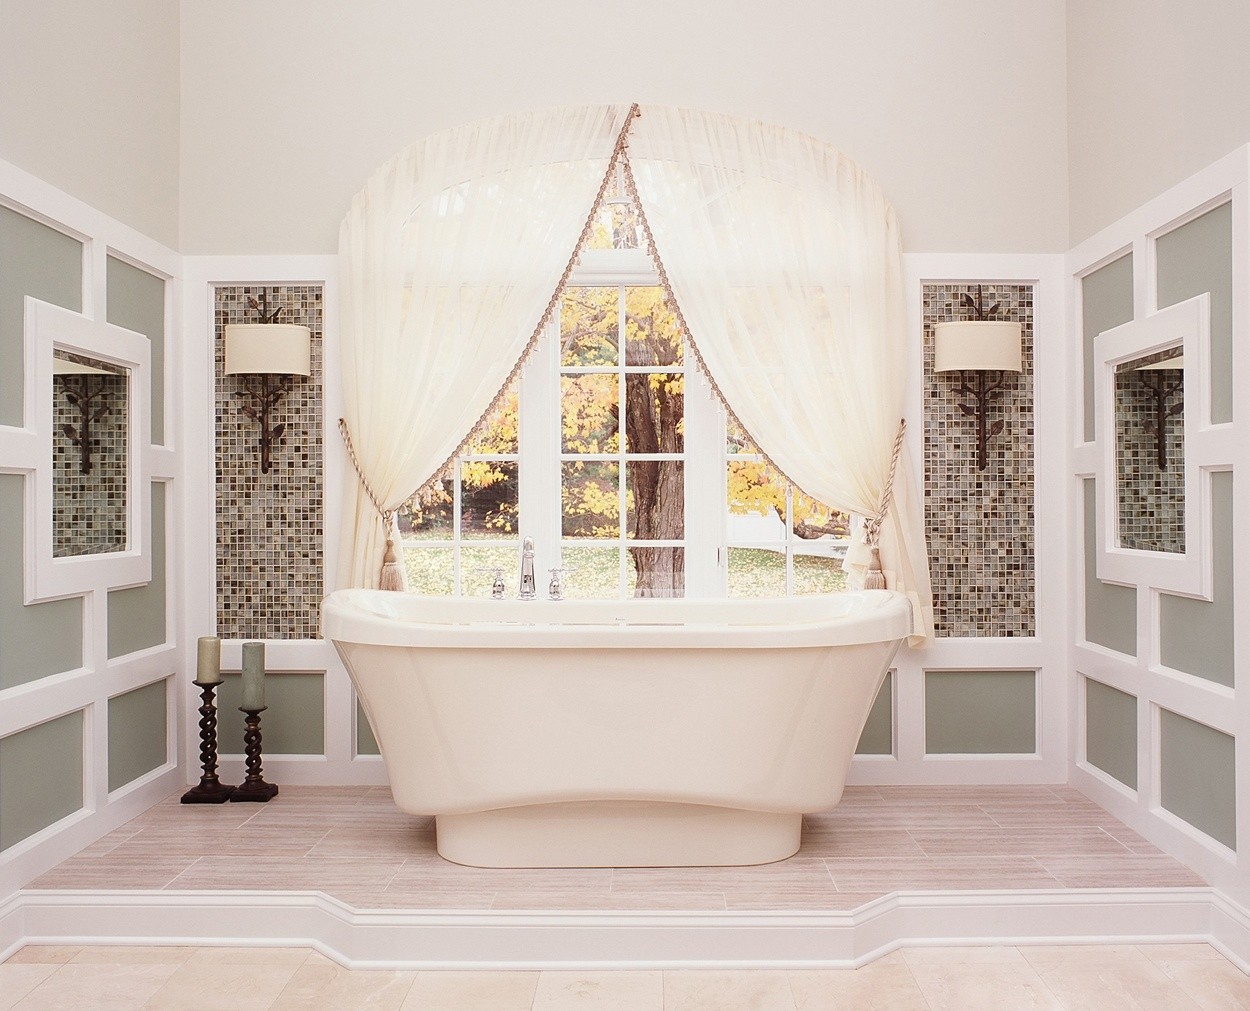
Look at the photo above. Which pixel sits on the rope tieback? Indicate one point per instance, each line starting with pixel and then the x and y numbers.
pixel 392 576
pixel 874 579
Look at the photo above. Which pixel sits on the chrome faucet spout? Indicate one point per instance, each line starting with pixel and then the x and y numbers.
pixel 528 589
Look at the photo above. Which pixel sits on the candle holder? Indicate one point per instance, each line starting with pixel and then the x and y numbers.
pixel 211 790
pixel 254 787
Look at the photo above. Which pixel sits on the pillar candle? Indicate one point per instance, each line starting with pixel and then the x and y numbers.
pixel 208 665
pixel 253 675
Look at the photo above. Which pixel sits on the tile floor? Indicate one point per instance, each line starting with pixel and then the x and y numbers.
pixel 354 844
pixel 1169 976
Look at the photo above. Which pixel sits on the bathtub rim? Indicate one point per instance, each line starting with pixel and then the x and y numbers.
pixel 388 618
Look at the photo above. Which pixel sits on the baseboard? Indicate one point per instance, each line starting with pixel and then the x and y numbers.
pixel 1230 930
pixel 407 939
pixel 12 926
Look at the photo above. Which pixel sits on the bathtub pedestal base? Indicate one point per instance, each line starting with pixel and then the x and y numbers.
pixel 617 834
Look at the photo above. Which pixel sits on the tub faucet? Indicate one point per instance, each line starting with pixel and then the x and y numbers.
pixel 528 590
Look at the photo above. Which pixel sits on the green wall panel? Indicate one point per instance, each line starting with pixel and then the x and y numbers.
pixel 366 743
pixel 39 261
pixel 36 640
pixel 878 735
pixel 1196 636
pixel 137 615
pixel 1197 258
pixel 1106 301
pixel 1111 731
pixel 1110 610
pixel 137 733
pixel 980 712
pixel 136 301
pixel 1198 776
pixel 293 723
pixel 41 771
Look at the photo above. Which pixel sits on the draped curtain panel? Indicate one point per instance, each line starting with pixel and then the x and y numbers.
pixel 785 259
pixel 449 256
pixel 783 256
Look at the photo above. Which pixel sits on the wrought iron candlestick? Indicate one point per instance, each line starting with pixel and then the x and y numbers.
pixel 254 786
pixel 211 790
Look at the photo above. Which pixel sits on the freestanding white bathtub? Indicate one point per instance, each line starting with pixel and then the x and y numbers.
pixel 646 732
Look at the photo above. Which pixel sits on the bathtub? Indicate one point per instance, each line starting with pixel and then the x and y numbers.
pixel 645 732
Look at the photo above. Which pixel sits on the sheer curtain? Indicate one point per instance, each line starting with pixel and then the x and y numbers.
pixel 449 257
pixel 784 258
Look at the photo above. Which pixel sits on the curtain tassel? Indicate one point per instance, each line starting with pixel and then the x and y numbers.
pixel 874 578
pixel 392 577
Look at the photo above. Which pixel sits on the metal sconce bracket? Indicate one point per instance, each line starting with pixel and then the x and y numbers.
pixel 83 398
pixel 271 389
pixel 981 395
pixel 1162 392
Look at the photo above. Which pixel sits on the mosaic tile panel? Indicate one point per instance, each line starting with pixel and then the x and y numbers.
pixel 89 495
pixel 269 526
pixel 1150 497
pixel 979 523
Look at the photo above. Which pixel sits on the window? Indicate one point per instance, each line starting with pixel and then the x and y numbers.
pixel 620 464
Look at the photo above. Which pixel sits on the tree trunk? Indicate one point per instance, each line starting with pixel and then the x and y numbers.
pixel 652 420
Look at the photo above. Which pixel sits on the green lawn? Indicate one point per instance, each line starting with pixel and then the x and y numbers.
pixel 594 572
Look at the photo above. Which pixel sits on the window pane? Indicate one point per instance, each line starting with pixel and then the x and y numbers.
pixel 498 433
pixel 588 326
pixel 657 572
pixel 616 227
pixel 655 499
pixel 478 563
pixel 589 496
pixel 757 572
pixel 430 570
pixel 818 574
pixel 428 515
pixel 655 420
pixel 736 440
pixel 591 573
pixel 488 499
pixel 589 413
pixel 814 520
pixel 652 336
pixel 756 498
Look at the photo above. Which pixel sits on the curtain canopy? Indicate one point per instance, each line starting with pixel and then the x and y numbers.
pixel 782 256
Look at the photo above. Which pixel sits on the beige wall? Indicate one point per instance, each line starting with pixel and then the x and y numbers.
pixel 89 103
pixel 1157 89
pixel 956 108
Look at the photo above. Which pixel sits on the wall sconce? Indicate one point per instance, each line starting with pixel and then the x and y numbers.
pixel 979 346
pixel 274 352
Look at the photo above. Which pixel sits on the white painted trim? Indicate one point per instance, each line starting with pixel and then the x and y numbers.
pixel 50 328
pixel 89 687
pixel 1186 324
pixel 1045 651
pixel 203 274
pixel 494 940
pixel 1217 447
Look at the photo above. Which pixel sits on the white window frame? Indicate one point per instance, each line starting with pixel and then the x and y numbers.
pixel 539 457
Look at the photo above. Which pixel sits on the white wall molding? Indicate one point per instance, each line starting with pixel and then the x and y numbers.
pixel 1215 448
pixel 88 688
pixel 490 939
pixel 1043 652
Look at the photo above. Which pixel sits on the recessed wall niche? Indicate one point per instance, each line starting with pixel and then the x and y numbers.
pixel 269 526
pixel 979 523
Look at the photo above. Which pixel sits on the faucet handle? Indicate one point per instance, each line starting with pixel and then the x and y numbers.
pixel 555 589
pixel 497 588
